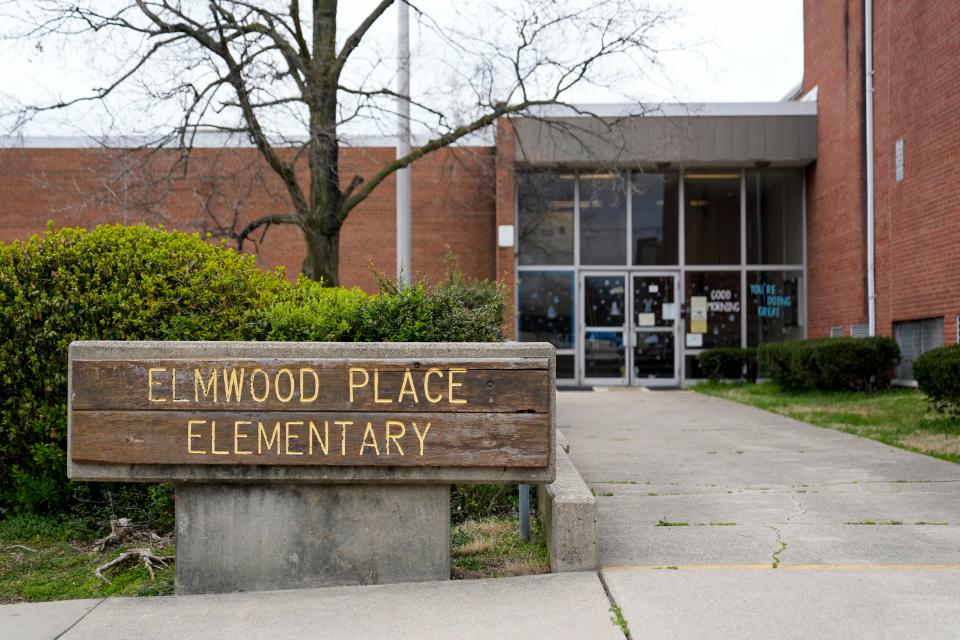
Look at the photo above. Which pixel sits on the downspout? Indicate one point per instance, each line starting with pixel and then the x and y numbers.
pixel 868 72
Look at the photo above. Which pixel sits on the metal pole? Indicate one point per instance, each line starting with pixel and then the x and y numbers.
pixel 525 511
pixel 404 269
pixel 868 80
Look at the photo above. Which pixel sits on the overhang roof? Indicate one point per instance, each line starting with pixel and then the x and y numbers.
pixel 719 133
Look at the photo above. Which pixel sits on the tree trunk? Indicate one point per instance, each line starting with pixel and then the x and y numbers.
pixel 323 257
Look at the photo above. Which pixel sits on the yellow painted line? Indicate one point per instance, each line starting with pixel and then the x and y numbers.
pixel 949 566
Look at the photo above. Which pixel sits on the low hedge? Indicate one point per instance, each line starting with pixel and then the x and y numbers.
pixel 141 283
pixel 937 373
pixel 837 364
pixel 729 363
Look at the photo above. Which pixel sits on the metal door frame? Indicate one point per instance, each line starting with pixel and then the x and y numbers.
pixel 582 327
pixel 634 330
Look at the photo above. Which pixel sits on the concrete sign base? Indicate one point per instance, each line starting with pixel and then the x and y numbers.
pixel 258 537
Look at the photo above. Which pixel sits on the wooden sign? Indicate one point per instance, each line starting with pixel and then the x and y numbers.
pixel 169 406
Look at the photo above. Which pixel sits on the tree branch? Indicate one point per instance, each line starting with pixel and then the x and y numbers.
pixel 353 40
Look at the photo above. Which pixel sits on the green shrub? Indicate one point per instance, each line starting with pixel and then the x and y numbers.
pixel 139 283
pixel 414 313
pixel 937 373
pixel 474 294
pixel 310 312
pixel 729 363
pixel 111 283
pixel 839 364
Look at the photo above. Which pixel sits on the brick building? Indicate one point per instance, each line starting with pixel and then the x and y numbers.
pixel 631 242
pixel 915 56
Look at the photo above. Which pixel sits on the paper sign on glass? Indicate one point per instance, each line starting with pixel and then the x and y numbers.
pixel 694 339
pixel 669 311
pixel 698 308
pixel 646 319
pixel 653 288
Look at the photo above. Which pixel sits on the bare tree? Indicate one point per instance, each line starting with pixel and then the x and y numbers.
pixel 278 76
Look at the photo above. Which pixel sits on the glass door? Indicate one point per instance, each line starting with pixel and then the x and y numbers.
pixel 653 330
pixel 603 327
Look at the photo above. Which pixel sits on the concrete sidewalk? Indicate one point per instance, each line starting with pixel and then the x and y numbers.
pixel 560 606
pixel 749 490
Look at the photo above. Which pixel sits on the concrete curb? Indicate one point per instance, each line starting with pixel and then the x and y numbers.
pixel 569 512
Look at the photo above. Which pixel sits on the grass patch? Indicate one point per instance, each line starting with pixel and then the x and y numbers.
pixel 45 559
pixel 64 570
pixel 616 617
pixel 898 417
pixel 667 523
pixel 492 548
pixel 877 522
pixel 605 494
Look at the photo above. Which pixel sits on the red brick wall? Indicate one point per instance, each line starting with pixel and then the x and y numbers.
pixel 916 93
pixel 917 222
pixel 453 203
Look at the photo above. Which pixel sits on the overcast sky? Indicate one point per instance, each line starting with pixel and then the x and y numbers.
pixel 737 50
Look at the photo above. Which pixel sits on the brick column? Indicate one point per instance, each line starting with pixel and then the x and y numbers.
pixel 506 214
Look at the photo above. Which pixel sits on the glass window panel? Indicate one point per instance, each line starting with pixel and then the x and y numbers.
pixel 603 301
pixel 653 355
pixel 650 294
pixel 654 218
pixel 604 354
pixel 719 292
pixel 775 217
pixel 603 220
pixel 565 367
pixel 773 306
pixel 545 218
pixel 545 304
pixel 712 217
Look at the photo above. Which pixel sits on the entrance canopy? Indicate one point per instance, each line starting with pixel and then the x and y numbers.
pixel 731 134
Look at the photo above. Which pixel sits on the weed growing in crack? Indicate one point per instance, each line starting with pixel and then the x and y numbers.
pixel 618 620
pixel 667 523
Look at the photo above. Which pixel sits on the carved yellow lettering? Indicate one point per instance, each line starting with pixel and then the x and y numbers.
pixel 426 385
pixel 408 387
pixel 353 384
pixel 198 385
pixel 376 389
pixel 191 435
pixel 395 437
pixel 213 440
pixel 151 384
pixel 276 384
pixel 343 434
pixel 173 388
pixel 314 432
pixel 266 385
pixel 233 384
pixel 237 435
pixel 290 436
pixel 452 385
pixel 303 387
pixel 373 436
pixel 421 436
pixel 262 437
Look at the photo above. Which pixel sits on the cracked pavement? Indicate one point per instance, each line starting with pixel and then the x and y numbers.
pixel 784 513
